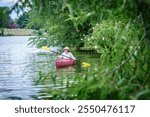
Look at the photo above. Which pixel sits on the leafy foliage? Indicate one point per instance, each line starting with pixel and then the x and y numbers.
pixel 23 20
pixel 117 29
pixel 4 19
pixel 4 15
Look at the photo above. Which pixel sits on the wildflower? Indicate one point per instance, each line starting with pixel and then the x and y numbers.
pixel 95 47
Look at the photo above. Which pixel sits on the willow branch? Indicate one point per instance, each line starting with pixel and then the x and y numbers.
pixel 135 49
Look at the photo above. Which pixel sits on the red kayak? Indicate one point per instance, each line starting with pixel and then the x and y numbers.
pixel 64 63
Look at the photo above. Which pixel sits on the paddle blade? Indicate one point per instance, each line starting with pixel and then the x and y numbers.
pixel 46 48
pixel 85 64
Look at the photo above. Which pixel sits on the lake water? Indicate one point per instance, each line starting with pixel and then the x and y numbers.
pixel 23 69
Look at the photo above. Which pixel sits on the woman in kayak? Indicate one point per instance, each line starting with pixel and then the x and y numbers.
pixel 66 54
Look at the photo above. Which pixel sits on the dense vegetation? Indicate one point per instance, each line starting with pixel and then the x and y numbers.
pixel 7 22
pixel 23 20
pixel 118 30
pixel 4 18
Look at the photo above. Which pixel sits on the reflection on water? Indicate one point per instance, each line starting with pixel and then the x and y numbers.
pixel 28 73
pixel 15 56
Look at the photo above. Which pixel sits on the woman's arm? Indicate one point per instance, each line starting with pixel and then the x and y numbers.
pixel 71 56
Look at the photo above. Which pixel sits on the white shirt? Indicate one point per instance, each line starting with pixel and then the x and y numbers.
pixel 68 55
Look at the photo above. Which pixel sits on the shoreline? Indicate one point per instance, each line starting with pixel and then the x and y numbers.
pixel 16 32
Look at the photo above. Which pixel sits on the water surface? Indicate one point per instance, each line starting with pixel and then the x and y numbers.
pixel 23 69
pixel 15 71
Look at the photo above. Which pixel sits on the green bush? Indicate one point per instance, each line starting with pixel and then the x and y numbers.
pixel 120 35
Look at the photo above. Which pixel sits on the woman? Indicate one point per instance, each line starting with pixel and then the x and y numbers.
pixel 67 54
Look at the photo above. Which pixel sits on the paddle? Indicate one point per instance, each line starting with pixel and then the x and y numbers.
pixel 84 64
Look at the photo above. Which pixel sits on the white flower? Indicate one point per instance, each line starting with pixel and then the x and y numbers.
pixel 95 47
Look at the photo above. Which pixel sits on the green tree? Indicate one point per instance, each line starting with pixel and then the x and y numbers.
pixel 3 16
pixel 75 18
pixel 23 20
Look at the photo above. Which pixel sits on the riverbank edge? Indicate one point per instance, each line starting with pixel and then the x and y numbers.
pixel 17 32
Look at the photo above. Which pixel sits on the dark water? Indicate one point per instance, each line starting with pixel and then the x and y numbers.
pixel 29 73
